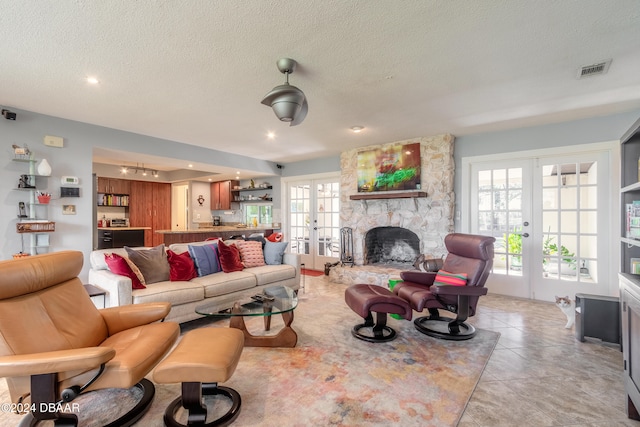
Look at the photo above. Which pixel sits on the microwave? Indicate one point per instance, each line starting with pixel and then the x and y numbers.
pixel 119 222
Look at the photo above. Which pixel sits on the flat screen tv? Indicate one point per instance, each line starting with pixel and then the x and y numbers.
pixel 394 167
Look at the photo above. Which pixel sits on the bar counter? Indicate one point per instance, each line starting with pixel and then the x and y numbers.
pixel 200 234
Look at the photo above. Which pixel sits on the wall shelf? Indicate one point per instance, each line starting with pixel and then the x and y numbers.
pixel 382 195
pixel 237 190
pixel 269 199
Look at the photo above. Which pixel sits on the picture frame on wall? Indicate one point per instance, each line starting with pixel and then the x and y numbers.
pixel 68 209
pixel 391 168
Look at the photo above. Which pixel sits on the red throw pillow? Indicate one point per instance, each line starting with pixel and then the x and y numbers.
pixel 119 265
pixel 181 266
pixel 229 257
pixel 274 237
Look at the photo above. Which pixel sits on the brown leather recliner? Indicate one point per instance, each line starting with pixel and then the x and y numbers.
pixel 468 253
pixel 55 344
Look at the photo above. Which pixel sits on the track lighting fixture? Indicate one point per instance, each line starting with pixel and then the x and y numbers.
pixel 142 169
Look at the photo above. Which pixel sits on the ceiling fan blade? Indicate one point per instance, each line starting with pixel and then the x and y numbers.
pixel 301 115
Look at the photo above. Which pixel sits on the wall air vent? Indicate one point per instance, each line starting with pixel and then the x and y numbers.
pixel 594 69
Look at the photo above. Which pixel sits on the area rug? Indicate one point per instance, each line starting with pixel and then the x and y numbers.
pixel 332 379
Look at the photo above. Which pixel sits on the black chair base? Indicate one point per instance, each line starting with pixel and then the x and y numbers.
pixel 126 420
pixel 192 395
pixel 445 328
pixel 380 332
pixel 383 334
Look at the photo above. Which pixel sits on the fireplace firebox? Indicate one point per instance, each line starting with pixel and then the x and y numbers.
pixel 394 246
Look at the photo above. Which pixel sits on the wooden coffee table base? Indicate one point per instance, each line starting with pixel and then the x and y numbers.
pixel 287 337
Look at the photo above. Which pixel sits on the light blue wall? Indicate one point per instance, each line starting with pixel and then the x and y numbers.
pixel 314 166
pixel 76 231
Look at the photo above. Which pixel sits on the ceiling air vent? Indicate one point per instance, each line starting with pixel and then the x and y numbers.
pixel 594 69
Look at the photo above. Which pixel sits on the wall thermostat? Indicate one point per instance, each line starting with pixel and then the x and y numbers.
pixel 70 180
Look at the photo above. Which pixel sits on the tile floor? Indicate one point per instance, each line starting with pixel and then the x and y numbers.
pixel 541 375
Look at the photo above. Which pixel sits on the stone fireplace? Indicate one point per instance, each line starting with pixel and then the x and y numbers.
pixel 430 218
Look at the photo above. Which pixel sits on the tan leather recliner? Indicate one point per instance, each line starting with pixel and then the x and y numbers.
pixel 53 339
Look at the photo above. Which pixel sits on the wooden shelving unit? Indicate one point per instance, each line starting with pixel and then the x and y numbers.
pixel 629 279
pixel 32 227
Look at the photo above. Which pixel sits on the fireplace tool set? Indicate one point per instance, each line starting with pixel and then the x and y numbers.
pixel 346 250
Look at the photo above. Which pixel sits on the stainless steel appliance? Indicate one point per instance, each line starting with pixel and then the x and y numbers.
pixel 119 222
pixel 216 221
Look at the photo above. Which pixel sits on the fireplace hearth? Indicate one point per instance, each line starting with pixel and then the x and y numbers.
pixel 391 246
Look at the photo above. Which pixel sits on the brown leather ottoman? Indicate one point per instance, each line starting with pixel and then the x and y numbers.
pixel 365 299
pixel 203 358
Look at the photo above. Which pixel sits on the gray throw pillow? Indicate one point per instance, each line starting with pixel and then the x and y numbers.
pixel 152 263
pixel 273 252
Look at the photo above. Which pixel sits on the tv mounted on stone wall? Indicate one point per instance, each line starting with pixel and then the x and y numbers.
pixel 389 168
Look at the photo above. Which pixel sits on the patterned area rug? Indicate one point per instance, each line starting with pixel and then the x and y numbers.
pixel 331 378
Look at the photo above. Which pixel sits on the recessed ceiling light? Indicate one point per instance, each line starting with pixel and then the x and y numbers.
pixel 190 165
pixel 271 135
pixel 92 80
pixel 210 179
pixel 357 129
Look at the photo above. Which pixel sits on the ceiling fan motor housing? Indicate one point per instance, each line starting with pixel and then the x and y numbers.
pixel 288 102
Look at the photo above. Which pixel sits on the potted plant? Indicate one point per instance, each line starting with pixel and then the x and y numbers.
pixel 550 251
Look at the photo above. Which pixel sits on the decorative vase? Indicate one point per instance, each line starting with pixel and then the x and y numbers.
pixel 44 168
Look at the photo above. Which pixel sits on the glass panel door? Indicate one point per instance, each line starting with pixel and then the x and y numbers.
pixel 500 208
pixel 326 223
pixel 550 218
pixel 299 220
pixel 314 221
pixel 573 258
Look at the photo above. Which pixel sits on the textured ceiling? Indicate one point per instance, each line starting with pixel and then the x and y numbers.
pixel 195 71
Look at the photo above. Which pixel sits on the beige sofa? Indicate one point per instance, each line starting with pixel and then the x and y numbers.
pixel 221 289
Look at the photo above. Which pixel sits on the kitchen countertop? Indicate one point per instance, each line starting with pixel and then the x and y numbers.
pixel 124 228
pixel 215 229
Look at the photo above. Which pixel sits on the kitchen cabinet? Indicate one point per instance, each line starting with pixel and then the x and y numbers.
pixel 630 303
pixel 629 279
pixel 150 207
pixel 114 238
pixel 221 194
pixel 113 185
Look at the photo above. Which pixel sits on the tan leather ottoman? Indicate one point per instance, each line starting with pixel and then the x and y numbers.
pixel 202 359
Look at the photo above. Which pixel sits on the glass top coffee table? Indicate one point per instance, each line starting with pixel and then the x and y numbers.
pixel 274 300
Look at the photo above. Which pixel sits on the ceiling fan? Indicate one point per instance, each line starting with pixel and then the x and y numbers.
pixel 288 102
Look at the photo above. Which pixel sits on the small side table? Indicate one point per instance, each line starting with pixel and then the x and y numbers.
pixel 598 316
pixel 94 292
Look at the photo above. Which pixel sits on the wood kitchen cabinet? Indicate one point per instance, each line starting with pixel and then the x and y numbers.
pixel 150 206
pixel 221 194
pixel 113 185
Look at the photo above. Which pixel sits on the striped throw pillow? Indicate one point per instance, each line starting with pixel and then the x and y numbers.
pixel 451 279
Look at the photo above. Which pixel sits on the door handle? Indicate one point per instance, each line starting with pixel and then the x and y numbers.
pixel 525 234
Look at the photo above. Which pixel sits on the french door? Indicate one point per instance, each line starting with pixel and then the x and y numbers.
pixel 551 222
pixel 314 220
